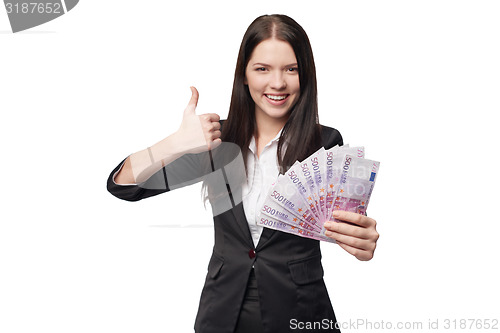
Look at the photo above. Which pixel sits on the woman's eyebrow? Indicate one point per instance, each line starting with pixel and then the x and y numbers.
pixel 267 65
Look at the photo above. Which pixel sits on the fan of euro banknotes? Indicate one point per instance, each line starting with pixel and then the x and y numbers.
pixel 302 199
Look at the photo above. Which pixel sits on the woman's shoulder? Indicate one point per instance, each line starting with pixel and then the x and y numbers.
pixel 330 137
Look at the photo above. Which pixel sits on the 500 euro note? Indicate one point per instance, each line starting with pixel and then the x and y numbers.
pixel 296 204
pixel 356 184
pixel 333 170
pixel 286 195
pixel 303 172
pixel 272 223
pixel 275 211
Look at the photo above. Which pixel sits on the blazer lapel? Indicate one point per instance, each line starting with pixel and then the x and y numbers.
pixel 241 221
pixel 266 235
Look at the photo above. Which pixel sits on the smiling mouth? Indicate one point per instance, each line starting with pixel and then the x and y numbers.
pixel 277 97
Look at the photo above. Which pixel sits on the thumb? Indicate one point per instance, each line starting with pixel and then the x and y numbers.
pixel 190 109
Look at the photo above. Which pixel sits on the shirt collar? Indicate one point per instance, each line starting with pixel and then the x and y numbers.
pixel 253 147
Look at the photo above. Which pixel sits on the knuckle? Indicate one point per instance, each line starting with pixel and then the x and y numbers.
pixel 206 128
pixel 216 135
pixel 364 256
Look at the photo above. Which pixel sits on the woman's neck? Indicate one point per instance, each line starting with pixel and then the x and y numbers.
pixel 267 129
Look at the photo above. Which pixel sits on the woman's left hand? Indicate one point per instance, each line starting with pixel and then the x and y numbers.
pixel 358 236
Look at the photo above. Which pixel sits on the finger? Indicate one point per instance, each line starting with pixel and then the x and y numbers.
pixel 214 144
pixel 359 254
pixel 213 117
pixel 355 218
pixel 354 242
pixel 347 229
pixel 215 135
pixel 209 126
pixel 215 125
pixel 190 109
pixel 194 96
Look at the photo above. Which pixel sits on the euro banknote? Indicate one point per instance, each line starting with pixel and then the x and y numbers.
pixel 304 198
pixel 277 224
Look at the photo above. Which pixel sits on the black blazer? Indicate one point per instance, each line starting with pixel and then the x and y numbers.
pixel 287 267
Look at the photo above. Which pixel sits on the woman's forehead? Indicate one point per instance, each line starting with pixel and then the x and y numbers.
pixel 271 51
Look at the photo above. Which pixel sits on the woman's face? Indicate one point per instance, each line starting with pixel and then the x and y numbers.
pixel 273 79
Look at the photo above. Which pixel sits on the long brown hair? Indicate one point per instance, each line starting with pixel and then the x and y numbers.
pixel 302 130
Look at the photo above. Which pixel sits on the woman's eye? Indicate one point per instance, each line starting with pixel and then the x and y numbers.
pixel 293 69
pixel 261 69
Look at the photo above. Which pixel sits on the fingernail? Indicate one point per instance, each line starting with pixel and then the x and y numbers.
pixel 335 213
pixel 327 224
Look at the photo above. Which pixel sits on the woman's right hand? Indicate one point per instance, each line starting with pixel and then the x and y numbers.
pixel 197 133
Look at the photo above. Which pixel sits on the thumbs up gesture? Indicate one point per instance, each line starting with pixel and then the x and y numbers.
pixel 198 133
pixel 195 135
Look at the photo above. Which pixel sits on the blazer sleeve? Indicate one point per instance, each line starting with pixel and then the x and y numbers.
pixel 134 192
pixel 186 170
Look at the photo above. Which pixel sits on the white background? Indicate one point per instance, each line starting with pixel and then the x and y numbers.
pixel 416 82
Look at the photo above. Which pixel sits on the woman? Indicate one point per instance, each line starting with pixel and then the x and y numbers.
pixel 259 280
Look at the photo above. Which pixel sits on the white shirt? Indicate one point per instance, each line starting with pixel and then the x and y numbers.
pixel 262 173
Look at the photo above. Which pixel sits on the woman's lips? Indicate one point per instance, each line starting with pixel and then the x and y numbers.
pixel 277 99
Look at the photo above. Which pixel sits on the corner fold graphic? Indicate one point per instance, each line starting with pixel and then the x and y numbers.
pixel 70 4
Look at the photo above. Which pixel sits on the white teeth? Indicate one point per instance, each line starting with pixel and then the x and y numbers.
pixel 276 98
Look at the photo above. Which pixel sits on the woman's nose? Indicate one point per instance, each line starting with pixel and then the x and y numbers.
pixel 277 80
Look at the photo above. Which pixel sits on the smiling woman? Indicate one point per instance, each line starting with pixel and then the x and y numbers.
pixel 273 82
pixel 258 279
pixel 275 60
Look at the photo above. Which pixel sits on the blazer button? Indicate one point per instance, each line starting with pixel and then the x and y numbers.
pixel 251 254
